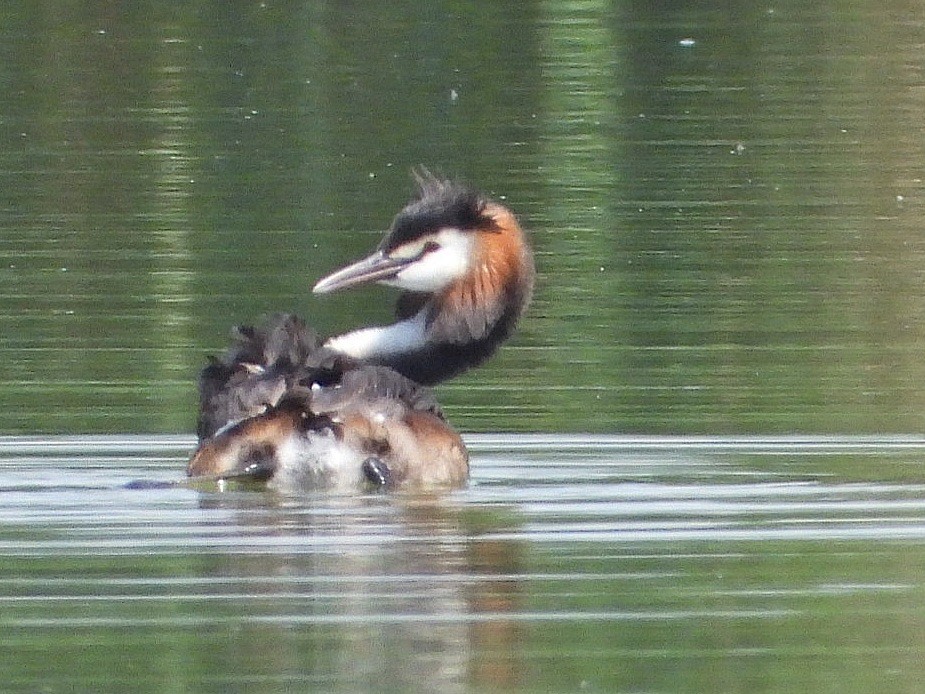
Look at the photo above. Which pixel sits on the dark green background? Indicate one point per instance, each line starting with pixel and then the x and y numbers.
pixel 726 202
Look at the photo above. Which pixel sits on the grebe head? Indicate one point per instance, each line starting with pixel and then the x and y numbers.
pixel 467 272
pixel 430 245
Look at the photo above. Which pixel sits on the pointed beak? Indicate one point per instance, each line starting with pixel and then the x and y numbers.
pixel 375 268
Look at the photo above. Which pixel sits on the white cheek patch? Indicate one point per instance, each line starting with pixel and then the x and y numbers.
pixel 439 268
pixel 409 250
pixel 432 273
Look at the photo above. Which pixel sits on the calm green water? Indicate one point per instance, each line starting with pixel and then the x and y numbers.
pixel 603 564
pixel 726 203
pixel 727 209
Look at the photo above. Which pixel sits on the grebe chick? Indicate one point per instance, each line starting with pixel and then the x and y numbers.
pixel 285 408
pixel 299 416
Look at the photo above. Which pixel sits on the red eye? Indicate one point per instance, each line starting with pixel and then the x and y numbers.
pixel 430 247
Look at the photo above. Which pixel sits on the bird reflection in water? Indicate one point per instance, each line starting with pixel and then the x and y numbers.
pixel 370 592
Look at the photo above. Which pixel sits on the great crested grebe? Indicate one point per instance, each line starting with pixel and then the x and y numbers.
pixel 286 408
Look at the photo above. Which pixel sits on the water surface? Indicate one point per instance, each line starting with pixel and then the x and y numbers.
pixel 726 204
pixel 569 563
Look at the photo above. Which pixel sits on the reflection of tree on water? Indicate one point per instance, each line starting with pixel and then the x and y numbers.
pixel 377 592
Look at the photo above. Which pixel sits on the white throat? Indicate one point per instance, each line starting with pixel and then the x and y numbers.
pixel 399 338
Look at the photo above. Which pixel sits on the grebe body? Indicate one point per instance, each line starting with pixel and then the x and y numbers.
pixel 284 408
